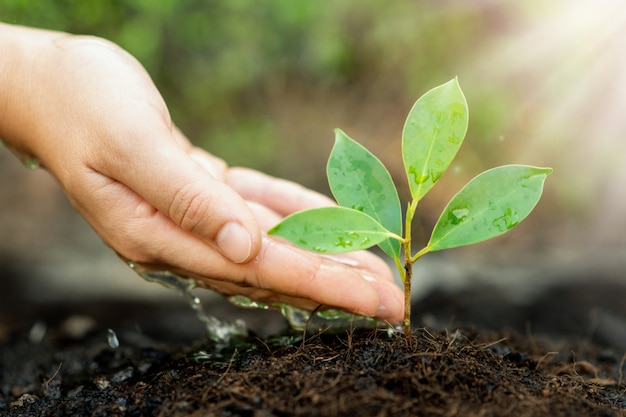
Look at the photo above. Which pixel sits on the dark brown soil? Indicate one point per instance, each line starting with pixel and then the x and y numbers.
pixel 444 370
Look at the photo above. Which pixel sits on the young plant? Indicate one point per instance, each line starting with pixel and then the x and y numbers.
pixel 369 211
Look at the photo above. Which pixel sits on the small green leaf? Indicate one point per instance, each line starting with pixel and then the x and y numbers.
pixel 358 180
pixel 331 230
pixel 489 205
pixel 432 135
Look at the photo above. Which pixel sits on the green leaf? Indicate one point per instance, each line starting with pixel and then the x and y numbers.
pixel 359 180
pixel 432 135
pixel 331 230
pixel 489 205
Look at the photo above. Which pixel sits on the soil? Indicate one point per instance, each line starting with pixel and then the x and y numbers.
pixel 475 355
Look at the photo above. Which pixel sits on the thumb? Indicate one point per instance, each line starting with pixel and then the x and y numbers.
pixel 173 182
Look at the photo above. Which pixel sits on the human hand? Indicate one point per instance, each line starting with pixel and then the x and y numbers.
pixel 92 116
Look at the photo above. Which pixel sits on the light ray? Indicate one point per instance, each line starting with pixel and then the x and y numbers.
pixel 566 60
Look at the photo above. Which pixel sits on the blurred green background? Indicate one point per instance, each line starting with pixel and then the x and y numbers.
pixel 263 84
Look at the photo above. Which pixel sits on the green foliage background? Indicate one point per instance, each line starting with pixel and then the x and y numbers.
pixel 229 68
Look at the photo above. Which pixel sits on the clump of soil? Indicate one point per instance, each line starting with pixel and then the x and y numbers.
pixel 465 371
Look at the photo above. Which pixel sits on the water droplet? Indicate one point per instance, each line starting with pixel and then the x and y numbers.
pixel 30 162
pixel 511 225
pixel 195 303
pixel 453 140
pixel 342 242
pixel 319 249
pixel 37 332
pixel 457 216
pixel 112 339
pixel 499 223
pixel 365 241
pixel 507 221
pixel 457 114
pixel 418 177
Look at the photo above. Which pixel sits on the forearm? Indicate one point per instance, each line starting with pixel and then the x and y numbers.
pixel 20 72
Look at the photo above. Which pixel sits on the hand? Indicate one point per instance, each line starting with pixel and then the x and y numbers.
pixel 91 115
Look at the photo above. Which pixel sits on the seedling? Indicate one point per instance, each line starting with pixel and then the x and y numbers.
pixel 369 211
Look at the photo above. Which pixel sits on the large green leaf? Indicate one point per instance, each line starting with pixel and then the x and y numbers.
pixel 360 181
pixel 432 135
pixel 331 230
pixel 489 205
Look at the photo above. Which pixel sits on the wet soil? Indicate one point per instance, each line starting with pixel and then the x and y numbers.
pixel 476 355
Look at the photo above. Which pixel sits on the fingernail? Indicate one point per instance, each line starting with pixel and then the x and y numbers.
pixel 234 242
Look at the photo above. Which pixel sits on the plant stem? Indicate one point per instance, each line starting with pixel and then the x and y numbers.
pixel 408 268
pixel 408 275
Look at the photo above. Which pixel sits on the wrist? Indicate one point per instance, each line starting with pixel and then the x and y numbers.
pixel 20 79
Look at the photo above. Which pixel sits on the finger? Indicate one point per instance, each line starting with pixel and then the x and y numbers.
pixel 363 260
pixel 216 167
pixel 168 178
pixel 282 196
pixel 302 274
pixel 145 235
pixel 266 217
pixel 210 163
pixel 366 261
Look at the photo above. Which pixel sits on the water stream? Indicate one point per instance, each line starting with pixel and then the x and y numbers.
pixel 222 332
pixel 219 331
